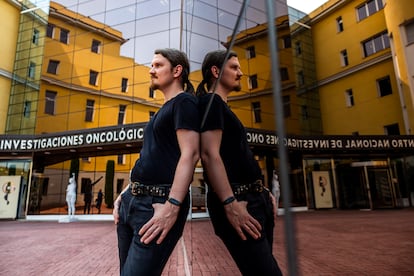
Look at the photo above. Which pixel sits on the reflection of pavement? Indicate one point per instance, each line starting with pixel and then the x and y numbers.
pixel 331 242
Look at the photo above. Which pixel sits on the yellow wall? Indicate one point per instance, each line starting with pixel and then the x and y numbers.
pixel 241 102
pixel 398 13
pixel 370 113
pixel 71 82
pixel 9 22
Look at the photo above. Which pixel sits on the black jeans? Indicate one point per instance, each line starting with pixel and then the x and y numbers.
pixel 137 258
pixel 253 257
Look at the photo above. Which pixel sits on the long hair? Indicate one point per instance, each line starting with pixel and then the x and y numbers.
pixel 177 57
pixel 214 58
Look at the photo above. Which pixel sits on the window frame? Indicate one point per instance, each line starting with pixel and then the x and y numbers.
pixel 344 58
pixel 339 24
pixel 349 97
pixel 53 66
pixel 50 30
pixel 93 77
pixel 253 82
pixel 257 112
pixel 89 110
pixel 64 36
pixel 382 86
pixel 124 85
pixel 96 48
pixel 50 102
pixel 250 52
pixel 122 114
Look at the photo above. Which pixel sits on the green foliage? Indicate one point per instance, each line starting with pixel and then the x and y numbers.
pixel 109 183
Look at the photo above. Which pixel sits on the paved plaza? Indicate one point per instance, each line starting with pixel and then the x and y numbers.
pixel 330 242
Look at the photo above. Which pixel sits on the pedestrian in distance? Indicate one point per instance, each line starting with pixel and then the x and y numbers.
pixel 240 207
pixel 98 201
pixel 151 212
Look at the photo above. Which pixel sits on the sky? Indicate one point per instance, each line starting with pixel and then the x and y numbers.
pixel 305 6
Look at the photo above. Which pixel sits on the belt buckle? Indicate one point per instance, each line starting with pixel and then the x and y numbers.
pixel 258 184
pixel 135 189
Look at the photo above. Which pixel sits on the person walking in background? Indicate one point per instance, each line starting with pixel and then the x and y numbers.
pixel 98 201
pixel 87 197
pixel 151 212
pixel 240 207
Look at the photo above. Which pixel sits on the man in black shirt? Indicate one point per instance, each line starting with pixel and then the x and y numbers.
pixel 240 207
pixel 151 213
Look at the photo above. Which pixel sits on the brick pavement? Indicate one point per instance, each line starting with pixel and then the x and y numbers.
pixel 330 242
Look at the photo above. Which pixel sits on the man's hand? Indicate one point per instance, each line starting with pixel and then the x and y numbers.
pixel 115 211
pixel 241 220
pixel 160 224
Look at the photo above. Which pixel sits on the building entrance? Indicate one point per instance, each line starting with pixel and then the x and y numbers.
pixel 365 185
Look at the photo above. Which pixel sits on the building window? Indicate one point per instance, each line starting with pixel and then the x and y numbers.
pixel 90 108
pixel 287 42
pixel 284 73
pixel 32 70
pixel 349 98
pixel 50 102
pixel 369 8
pixel 27 108
pixel 257 112
pixel 124 85
pixel 392 129
pixel 298 48
pixel 286 106
pixel 253 82
pixel 35 38
pixel 121 159
pixel 344 58
pixel 151 93
pixel 50 31
pixel 93 77
pixel 384 86
pixel 96 46
pixel 151 114
pixel 376 44
pixel 64 36
pixel 121 114
pixel 250 52
pixel 53 66
pixel 339 24
pixel 304 112
pixel 301 78
pixel 409 32
pixel 119 185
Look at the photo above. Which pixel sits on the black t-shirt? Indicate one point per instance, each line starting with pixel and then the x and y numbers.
pixel 238 159
pixel 160 151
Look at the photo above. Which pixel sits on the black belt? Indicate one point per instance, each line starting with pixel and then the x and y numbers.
pixel 151 190
pixel 255 187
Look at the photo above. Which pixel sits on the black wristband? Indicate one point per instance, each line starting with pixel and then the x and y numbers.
pixel 229 200
pixel 174 201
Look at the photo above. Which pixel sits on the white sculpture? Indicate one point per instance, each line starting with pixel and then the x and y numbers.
pixel 71 195
pixel 276 188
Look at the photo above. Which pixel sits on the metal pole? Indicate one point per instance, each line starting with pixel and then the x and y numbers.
pixel 280 127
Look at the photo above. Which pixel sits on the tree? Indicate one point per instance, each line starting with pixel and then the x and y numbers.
pixel 109 183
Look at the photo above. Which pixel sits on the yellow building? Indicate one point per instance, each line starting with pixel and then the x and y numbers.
pixel 254 104
pixel 399 17
pixel 354 68
pixel 85 84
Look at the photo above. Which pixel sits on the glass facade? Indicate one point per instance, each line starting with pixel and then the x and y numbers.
pixel 81 73
pixel 84 64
